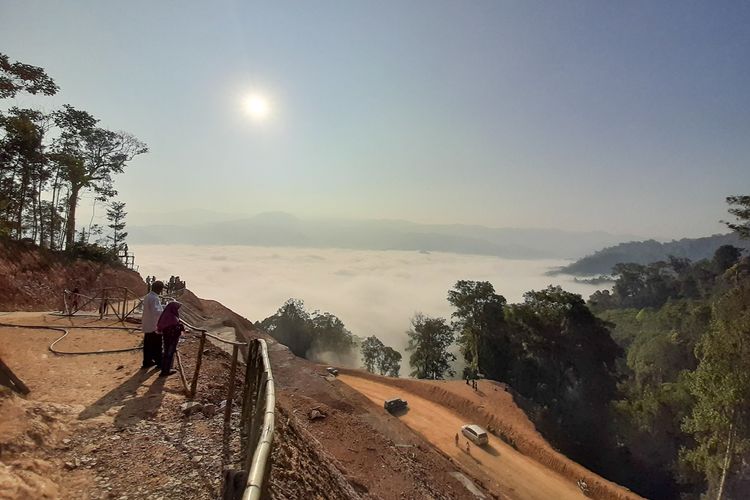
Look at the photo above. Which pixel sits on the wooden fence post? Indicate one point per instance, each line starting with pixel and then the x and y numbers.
pixel 230 392
pixel 198 360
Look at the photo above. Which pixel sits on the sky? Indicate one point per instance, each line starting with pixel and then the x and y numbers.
pixel 630 117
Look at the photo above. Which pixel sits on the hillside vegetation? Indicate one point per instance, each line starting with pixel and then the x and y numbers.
pixel 645 252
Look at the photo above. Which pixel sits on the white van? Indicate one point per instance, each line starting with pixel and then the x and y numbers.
pixel 475 434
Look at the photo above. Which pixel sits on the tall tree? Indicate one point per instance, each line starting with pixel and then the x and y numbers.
pixel 479 312
pixel 429 340
pixel 739 206
pixel 372 352
pixel 23 171
pixel 390 362
pixel 90 156
pixel 116 216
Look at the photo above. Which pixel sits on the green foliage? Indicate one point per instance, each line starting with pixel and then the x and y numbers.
pixel 371 349
pixel 116 216
pixel 92 252
pixel 479 312
pixel 739 206
pixel 308 335
pixel 654 393
pixel 19 77
pixel 720 420
pixel 429 339
pixel 725 257
pixel 378 356
pixel 390 362
pixel 653 285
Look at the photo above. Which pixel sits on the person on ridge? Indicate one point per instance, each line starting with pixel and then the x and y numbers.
pixel 171 328
pixel 152 309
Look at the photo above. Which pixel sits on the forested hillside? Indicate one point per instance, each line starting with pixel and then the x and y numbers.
pixel 645 252
pixel 646 384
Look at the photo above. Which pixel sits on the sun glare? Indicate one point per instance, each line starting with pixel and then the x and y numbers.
pixel 257 107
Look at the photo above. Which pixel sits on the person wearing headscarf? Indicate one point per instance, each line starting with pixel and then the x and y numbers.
pixel 171 328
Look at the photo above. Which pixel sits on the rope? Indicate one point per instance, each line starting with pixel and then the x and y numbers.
pixel 66 331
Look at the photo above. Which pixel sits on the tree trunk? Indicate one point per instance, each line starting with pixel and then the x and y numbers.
pixel 727 460
pixel 22 201
pixel 70 226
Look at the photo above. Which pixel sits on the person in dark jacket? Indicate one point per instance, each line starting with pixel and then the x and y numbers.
pixel 171 328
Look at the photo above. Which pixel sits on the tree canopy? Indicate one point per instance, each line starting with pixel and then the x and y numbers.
pixel 429 340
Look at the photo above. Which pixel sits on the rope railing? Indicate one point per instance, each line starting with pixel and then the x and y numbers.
pixel 114 298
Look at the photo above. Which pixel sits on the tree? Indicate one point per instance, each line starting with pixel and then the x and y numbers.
pixel 479 311
pixel 116 216
pixel 390 362
pixel 740 208
pixel 330 334
pixel 720 419
pixel 429 339
pixel 376 355
pixel 291 326
pixel 372 352
pixel 89 157
pixel 725 257
pixel 23 170
pixel 308 335
pixel 19 77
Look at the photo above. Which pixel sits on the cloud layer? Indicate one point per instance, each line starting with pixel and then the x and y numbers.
pixel 373 292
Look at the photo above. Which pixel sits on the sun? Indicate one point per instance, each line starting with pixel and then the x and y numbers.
pixel 257 107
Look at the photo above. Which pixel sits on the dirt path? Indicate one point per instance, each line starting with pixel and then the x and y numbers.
pixel 497 464
pixel 97 426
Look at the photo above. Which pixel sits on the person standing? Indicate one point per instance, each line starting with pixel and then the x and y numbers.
pixel 171 328
pixel 152 309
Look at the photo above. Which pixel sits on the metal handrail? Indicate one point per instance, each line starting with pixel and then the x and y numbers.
pixel 258 470
pixel 258 418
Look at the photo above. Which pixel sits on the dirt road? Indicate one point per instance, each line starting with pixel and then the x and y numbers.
pixel 497 465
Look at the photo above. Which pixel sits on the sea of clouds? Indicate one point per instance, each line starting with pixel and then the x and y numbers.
pixel 373 292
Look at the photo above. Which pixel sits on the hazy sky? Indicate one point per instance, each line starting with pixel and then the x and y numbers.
pixel 624 116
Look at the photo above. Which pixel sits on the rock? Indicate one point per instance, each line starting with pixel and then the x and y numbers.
pixel 190 407
pixel 209 409
pixel 315 414
pixel 120 367
pixel 197 458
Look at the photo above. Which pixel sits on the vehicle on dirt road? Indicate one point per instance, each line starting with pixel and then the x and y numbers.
pixel 333 371
pixel 475 434
pixel 394 405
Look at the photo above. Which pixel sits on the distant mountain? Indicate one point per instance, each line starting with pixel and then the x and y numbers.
pixel 282 229
pixel 646 252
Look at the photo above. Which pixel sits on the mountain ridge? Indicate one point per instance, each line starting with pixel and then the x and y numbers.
pixel 282 229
